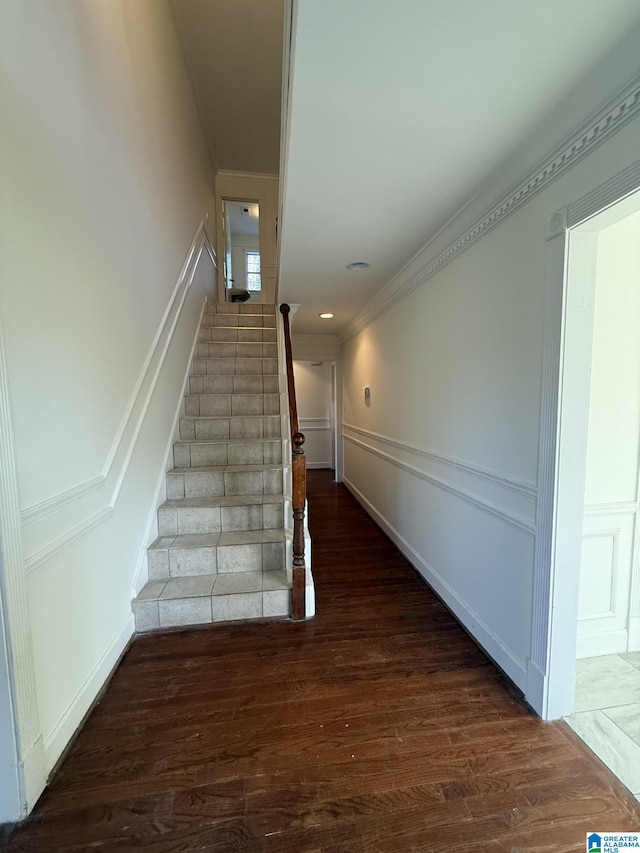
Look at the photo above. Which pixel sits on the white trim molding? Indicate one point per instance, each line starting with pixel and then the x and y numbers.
pixel 314 424
pixel 537 666
pixel 14 599
pixel 514 519
pixel 107 485
pixel 74 713
pixel 522 487
pixel 611 508
pixel 607 121
pixel 480 631
pixel 568 322
pixel 606 194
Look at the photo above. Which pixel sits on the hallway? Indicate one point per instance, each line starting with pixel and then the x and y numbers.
pixel 378 726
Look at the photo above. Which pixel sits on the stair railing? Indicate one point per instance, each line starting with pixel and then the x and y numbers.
pixel 299 489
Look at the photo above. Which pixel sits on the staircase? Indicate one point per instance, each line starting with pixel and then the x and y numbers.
pixel 222 548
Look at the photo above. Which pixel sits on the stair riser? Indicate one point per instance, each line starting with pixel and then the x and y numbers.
pixel 246 321
pixel 242 453
pixel 223 559
pixel 231 384
pixel 239 308
pixel 178 613
pixel 225 519
pixel 230 350
pixel 234 367
pixel 267 426
pixel 236 334
pixel 218 405
pixel 228 484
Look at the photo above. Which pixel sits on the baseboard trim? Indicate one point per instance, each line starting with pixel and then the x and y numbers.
pixel 58 740
pixel 604 643
pixel 470 621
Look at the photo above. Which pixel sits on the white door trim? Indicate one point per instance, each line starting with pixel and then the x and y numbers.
pixel 569 294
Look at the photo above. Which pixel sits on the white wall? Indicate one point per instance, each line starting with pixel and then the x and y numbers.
pixel 446 455
pixel 611 490
pixel 106 178
pixel 314 400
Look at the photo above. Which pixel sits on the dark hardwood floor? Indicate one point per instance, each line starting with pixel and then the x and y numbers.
pixel 379 726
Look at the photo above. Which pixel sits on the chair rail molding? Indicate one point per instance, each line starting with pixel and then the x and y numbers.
pixel 608 120
pixel 611 508
pixel 96 507
pixel 513 519
pixel 520 486
pixel 315 424
pixel 492 644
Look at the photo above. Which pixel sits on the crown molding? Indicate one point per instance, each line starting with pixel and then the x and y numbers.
pixel 607 121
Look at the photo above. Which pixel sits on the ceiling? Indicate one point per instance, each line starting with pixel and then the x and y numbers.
pixel 400 110
pixel 233 52
pixel 244 218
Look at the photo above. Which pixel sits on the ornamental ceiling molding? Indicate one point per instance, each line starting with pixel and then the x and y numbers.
pixel 605 123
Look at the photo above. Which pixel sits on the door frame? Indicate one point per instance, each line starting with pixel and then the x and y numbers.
pixel 569 297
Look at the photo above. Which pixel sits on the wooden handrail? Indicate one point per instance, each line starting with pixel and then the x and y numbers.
pixel 299 476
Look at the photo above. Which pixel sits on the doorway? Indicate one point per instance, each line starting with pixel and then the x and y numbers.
pixel 594 659
pixel 317 411
pixel 242 262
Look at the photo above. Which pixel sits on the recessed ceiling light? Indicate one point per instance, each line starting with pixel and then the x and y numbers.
pixel 358 265
pixel 326 316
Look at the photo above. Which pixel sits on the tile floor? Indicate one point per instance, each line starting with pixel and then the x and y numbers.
pixel 607 713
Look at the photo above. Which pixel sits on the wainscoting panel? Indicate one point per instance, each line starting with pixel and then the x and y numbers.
pixel 476 553
pixel 605 578
pixel 317 447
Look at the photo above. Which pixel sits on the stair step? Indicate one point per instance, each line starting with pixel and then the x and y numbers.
pixel 236 334
pixel 240 321
pixel 239 308
pixel 234 366
pixel 234 426
pixel 230 480
pixel 228 349
pixel 217 553
pixel 204 599
pixel 231 384
pixel 222 551
pixel 220 514
pixel 212 405
pixel 238 451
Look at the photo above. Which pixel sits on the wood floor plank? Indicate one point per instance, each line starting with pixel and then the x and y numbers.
pixel 377 727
